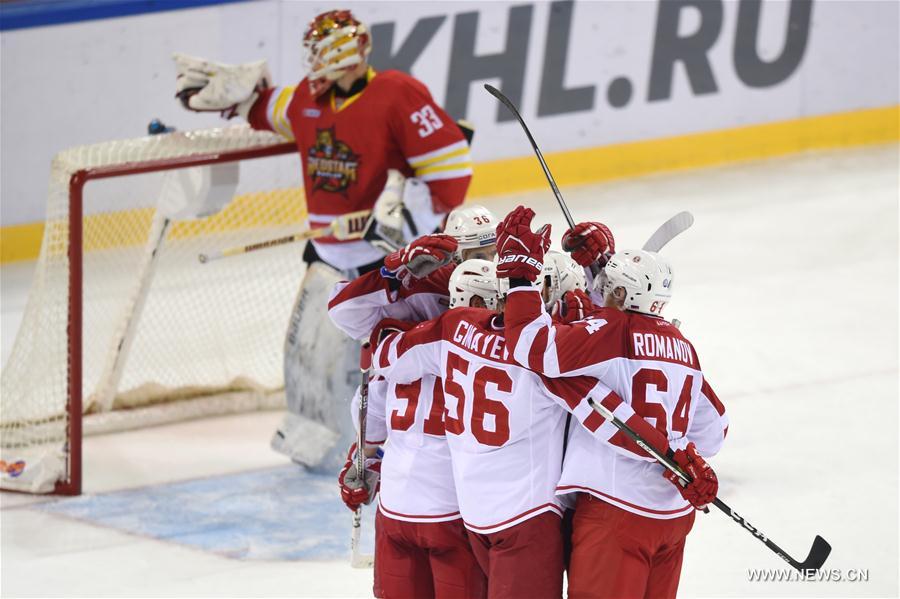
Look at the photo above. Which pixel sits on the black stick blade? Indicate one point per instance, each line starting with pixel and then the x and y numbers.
pixel 819 552
pixel 503 99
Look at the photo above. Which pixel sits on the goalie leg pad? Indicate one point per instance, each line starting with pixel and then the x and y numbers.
pixel 304 440
pixel 321 372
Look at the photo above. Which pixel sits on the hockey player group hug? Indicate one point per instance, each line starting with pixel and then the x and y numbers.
pixel 493 469
pixel 484 373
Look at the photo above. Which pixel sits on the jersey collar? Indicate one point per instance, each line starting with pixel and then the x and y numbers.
pixel 370 74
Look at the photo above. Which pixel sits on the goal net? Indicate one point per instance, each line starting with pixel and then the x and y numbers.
pixel 124 327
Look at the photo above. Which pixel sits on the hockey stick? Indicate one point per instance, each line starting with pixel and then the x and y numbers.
pixel 357 559
pixel 346 226
pixel 595 268
pixel 512 108
pixel 667 231
pixel 820 549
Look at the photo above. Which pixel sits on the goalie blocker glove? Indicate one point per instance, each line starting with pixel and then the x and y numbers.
pixel 402 212
pixel 206 86
pixel 420 258
pixel 704 485
pixel 521 250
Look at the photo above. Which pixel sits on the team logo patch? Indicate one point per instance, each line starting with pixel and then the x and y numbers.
pixel 312 113
pixel 331 164
pixel 12 469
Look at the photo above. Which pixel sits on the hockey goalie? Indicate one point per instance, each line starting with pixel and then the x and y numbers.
pixel 368 141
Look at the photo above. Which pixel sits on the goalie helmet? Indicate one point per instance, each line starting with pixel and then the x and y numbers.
pixel 473 227
pixel 474 278
pixel 646 277
pixel 335 42
pixel 560 274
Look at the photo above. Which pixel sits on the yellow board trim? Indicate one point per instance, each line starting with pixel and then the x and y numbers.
pixel 592 165
pixel 621 161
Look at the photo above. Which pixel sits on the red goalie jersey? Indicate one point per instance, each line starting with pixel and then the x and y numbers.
pixel 346 151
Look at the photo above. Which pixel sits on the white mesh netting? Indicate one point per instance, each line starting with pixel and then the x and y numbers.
pixel 164 337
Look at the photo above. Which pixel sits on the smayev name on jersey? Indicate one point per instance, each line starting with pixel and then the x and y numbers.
pixel 489 345
pixel 649 345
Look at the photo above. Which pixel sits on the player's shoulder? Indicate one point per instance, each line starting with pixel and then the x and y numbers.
pixel 479 318
pixel 392 80
pixel 302 96
pixel 642 323
pixel 437 283
pixel 657 338
pixel 608 318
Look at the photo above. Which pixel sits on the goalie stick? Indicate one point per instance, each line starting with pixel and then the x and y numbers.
pixel 357 559
pixel 820 549
pixel 346 226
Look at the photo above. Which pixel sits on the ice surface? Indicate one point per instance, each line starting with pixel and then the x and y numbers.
pixel 787 286
pixel 248 516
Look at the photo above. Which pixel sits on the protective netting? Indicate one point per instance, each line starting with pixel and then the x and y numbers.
pixel 164 336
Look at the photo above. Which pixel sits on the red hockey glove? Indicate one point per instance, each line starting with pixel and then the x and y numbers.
pixel 704 485
pixel 574 305
pixel 589 242
pixel 355 491
pixel 521 250
pixel 384 328
pixel 420 258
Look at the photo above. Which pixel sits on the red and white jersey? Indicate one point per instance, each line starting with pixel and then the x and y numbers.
pixel 357 306
pixel 416 476
pixel 651 366
pixel 346 151
pixel 504 423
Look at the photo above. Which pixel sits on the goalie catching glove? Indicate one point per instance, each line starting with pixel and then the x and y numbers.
pixel 356 492
pixel 402 212
pixel 206 86
pixel 420 258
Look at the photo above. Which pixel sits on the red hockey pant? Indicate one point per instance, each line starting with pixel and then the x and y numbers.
pixel 415 560
pixel 523 561
pixel 618 554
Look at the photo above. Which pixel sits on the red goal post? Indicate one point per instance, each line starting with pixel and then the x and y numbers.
pixel 144 333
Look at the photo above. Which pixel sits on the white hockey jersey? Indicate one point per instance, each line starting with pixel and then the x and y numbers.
pixel 504 423
pixel 357 306
pixel 416 476
pixel 652 367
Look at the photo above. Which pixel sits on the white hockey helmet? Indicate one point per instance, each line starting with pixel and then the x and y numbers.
pixel 560 274
pixel 647 279
pixel 335 42
pixel 473 226
pixel 474 278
